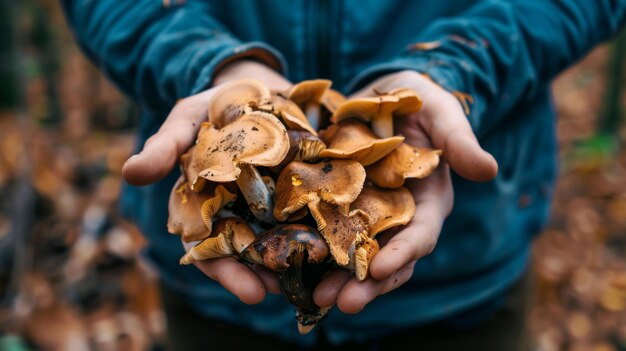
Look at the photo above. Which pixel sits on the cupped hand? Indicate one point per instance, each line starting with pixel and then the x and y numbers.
pixel 162 151
pixel 442 124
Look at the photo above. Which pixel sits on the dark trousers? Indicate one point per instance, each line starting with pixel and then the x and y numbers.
pixel 502 330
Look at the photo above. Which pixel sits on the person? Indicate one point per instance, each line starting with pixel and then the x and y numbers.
pixel 453 278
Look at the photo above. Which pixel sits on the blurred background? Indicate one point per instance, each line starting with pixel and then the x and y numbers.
pixel 70 275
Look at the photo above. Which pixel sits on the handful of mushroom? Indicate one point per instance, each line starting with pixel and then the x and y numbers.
pixel 263 185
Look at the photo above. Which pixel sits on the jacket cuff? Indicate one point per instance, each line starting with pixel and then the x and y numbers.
pixel 257 51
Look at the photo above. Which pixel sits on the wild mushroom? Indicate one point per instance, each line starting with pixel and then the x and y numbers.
pixel 308 95
pixel 386 208
pixel 353 140
pixel 404 162
pixel 351 237
pixel 233 99
pixel 288 111
pixel 230 236
pixel 191 213
pixel 300 184
pixel 293 251
pixel 231 154
pixel 332 99
pixel 303 146
pixel 380 110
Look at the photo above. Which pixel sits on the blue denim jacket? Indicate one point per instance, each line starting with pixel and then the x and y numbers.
pixel 504 53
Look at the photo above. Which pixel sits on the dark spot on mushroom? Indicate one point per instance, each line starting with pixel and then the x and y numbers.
pixel 388 217
pixel 255 129
pixel 327 167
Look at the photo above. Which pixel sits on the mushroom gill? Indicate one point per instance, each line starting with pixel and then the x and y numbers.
pixel 230 236
pixel 191 213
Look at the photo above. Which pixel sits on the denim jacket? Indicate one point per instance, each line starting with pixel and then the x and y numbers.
pixel 504 53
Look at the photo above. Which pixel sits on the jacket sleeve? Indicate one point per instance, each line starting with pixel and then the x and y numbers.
pixel 501 52
pixel 158 53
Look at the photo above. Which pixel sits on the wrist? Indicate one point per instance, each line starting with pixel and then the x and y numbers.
pixel 241 69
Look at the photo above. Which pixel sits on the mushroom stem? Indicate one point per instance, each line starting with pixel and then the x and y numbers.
pixel 312 112
pixel 256 193
pixel 293 286
pixel 383 126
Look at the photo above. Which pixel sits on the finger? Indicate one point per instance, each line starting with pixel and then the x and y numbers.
pixel 269 278
pixel 162 151
pixel 235 277
pixel 355 295
pixel 450 131
pixel 434 199
pixel 325 293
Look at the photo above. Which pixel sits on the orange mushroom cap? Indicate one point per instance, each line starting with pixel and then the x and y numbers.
pixel 337 182
pixel 353 140
pixel 380 110
pixel 308 95
pixel 404 162
pixel 289 112
pixel 257 139
pixel 386 208
pixel 233 99
pixel 332 99
pixel 191 213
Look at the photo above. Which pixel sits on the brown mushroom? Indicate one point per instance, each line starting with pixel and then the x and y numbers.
pixel 303 146
pixel 386 208
pixel 343 232
pixel 191 213
pixel 351 237
pixel 300 184
pixel 289 112
pixel 353 140
pixel 332 99
pixel 308 95
pixel 288 250
pixel 230 154
pixel 233 99
pixel 230 236
pixel 380 110
pixel 404 162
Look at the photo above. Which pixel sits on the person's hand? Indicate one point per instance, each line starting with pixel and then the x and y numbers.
pixel 440 124
pixel 162 151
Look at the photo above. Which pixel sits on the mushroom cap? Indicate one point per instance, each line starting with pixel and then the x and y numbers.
pixel 380 110
pixel 274 247
pixel 257 139
pixel 354 140
pixel 409 102
pixel 308 91
pixel 190 213
pixel 365 109
pixel 337 182
pixel 402 163
pixel 290 113
pixel 230 100
pixel 332 99
pixel 386 208
pixel 230 236
pixel 342 232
